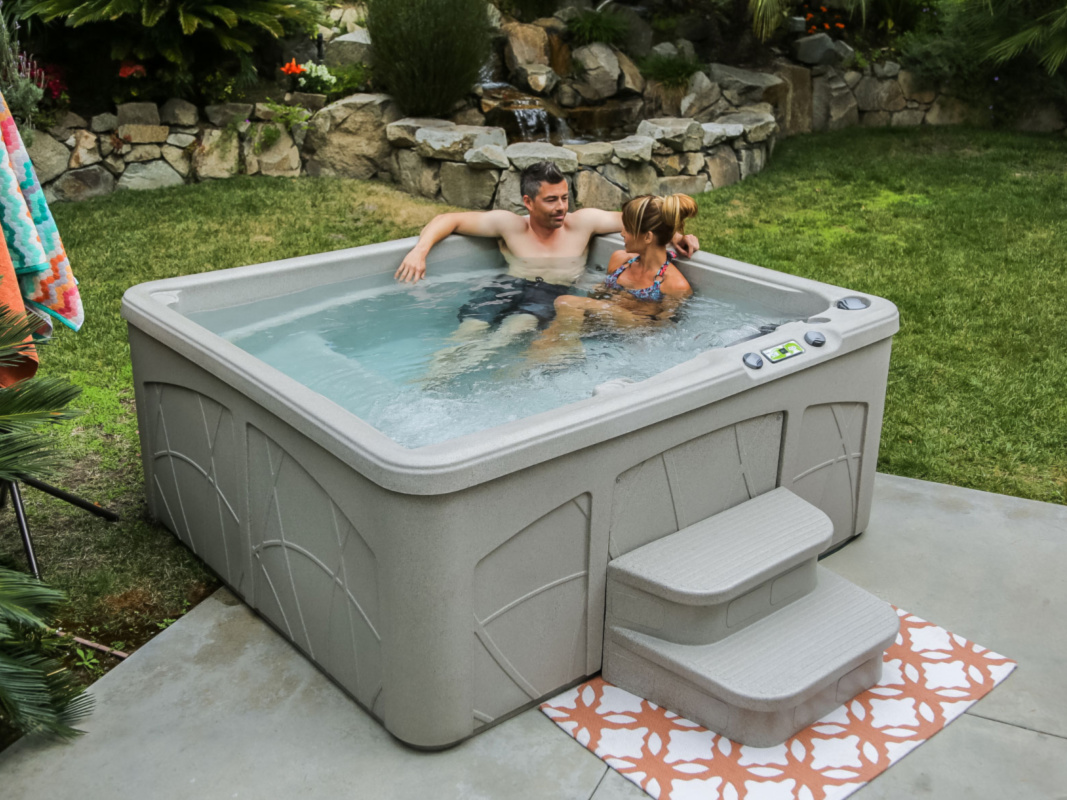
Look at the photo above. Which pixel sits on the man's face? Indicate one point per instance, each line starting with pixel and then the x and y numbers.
pixel 550 206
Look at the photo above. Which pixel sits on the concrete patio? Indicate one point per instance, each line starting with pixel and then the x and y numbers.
pixel 220 706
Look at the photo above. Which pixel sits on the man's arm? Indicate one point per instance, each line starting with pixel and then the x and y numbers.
pixel 469 223
pixel 598 221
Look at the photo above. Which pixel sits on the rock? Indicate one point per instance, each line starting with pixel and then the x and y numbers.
pixel 263 112
pixel 952 111
pixel 218 155
pixel 526 44
pixel 489 156
pixel 326 33
pixel 683 184
pixel 815 49
pixel 509 192
pixel 758 126
pixel 913 89
pixel 351 48
pixel 417 175
pixel 280 159
pixel 639 39
pixel 69 121
pixel 102 123
pixel 879 95
pixel 567 96
pixel 312 102
pixel 493 16
pixel 450 144
pixel 551 24
pixel 223 114
pixel 701 98
pixel 794 115
pixel 142 152
pixel 679 164
pixel 179 112
pixel 143 134
pixel 178 158
pixel 81 184
pixel 662 101
pixel 347 138
pixel 680 135
pixel 686 49
pixel 593 154
pixel 180 139
pixel 50 158
pixel 794 26
pixel 154 175
pixel 890 69
pixel 722 166
pixel 523 154
pixel 468 188
pixel 665 50
pixel 114 164
pixel 138 114
pixel 600 78
pixel 716 132
pixel 85 151
pixel 559 55
pixel 751 161
pixel 1044 118
pixel 618 175
pixel 637 149
pixel 842 111
pixel 538 78
pixel 469 116
pixel 908 118
pixel 402 132
pixel 630 77
pixel 744 85
pixel 852 78
pixel 875 119
pixel 642 179
pixel 593 190
pixel 846 55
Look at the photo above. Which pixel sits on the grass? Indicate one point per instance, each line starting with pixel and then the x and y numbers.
pixel 962 229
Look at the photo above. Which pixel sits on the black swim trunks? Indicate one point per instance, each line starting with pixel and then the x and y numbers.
pixel 507 295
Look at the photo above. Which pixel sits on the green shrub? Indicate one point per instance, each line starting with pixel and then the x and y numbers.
pixel 428 52
pixel 673 72
pixel 16 79
pixel 598 26
pixel 350 79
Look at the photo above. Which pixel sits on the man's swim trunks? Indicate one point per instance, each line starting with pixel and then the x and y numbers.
pixel 507 295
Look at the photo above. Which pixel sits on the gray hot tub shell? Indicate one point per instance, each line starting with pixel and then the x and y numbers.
pixel 449 586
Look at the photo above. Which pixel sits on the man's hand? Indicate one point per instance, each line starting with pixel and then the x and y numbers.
pixel 413 268
pixel 685 245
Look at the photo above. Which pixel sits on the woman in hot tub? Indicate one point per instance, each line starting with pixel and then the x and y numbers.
pixel 643 288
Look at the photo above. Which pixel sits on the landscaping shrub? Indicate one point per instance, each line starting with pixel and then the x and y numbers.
pixel 672 71
pixel 598 26
pixel 427 53
pixel 20 79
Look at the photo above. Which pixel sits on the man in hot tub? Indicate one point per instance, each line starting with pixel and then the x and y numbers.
pixel 546 253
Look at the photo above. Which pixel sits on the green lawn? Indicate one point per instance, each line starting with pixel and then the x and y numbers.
pixel 963 230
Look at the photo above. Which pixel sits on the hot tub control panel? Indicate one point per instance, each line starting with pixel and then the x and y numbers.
pixel 780 352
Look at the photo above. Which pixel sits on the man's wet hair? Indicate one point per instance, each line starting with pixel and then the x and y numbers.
pixel 536 174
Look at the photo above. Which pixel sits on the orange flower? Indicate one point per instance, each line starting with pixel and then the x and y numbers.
pixel 822 9
pixel 826 25
pixel 839 25
pixel 809 16
pixel 292 68
pixel 131 70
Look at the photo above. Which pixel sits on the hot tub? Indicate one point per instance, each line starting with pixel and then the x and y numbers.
pixel 449 586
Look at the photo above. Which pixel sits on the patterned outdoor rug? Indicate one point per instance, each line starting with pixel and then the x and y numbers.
pixel 930 677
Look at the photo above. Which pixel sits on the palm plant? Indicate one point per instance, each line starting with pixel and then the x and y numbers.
pixel 1037 27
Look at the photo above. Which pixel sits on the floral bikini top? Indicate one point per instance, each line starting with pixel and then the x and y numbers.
pixel 649 292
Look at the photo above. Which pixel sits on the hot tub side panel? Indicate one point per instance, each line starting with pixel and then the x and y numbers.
pixel 445 613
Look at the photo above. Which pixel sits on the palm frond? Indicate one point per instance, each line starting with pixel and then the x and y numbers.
pixel 38 695
pixel 34 402
pixel 767 16
pixel 15 332
pixel 24 600
pixel 26 454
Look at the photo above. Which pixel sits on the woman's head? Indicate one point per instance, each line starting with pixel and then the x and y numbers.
pixel 663 217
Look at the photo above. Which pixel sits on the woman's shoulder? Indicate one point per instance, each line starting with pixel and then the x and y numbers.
pixel 618 258
pixel 674 282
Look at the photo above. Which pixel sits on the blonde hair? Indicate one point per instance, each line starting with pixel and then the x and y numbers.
pixel 663 217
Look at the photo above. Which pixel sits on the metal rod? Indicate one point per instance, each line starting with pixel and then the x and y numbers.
pixel 3 493
pixel 73 499
pixel 24 529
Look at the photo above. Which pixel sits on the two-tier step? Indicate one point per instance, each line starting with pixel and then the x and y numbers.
pixel 731 622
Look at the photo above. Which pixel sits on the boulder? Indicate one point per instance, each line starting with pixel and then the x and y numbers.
pixel 223 114
pixel 523 154
pixel 913 89
pixel 153 175
pixel 593 190
pixel 593 154
pixel 680 135
pixel 179 112
pixel 716 132
pixel 417 175
pixel 875 119
pixel 683 184
pixel 493 17
pixel 639 38
pixel 600 71
pixel 402 132
pixel 679 164
pixel 81 184
pixel 538 78
pixel 701 98
pixel 630 77
pixel 665 50
pixel 751 161
pixel 952 111
pixel 178 158
pixel 488 156
pixel 309 100
pixel 686 49
pixel 908 118
pixel 1043 118
pixel 852 78
pixel 66 123
pixel 551 25
pixel 526 44
pixel 873 94
pixel 280 159
pixel 347 138
pixel 637 149
pixel 795 112
pixel 351 48
pixel 468 188
pixel 142 152
pixel 722 166
pixel 742 86
pixel 450 144
pixel 509 192
pixel 218 155
pixel 888 69
pixel 138 114
pixel 815 49
pixel 101 123
pixel 114 164
pixel 842 111
pixel 642 179
pixel 468 116
pixel 180 139
pixel 758 126
pixel 794 26
pixel 143 134
pixel 846 55
pixel 50 158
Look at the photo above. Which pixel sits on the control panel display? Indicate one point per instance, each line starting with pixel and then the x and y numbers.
pixel 780 352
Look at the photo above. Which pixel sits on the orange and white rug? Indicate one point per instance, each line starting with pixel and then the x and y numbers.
pixel 930 677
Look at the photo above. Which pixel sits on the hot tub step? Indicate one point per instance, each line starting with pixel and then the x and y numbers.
pixel 764 683
pixel 722 573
